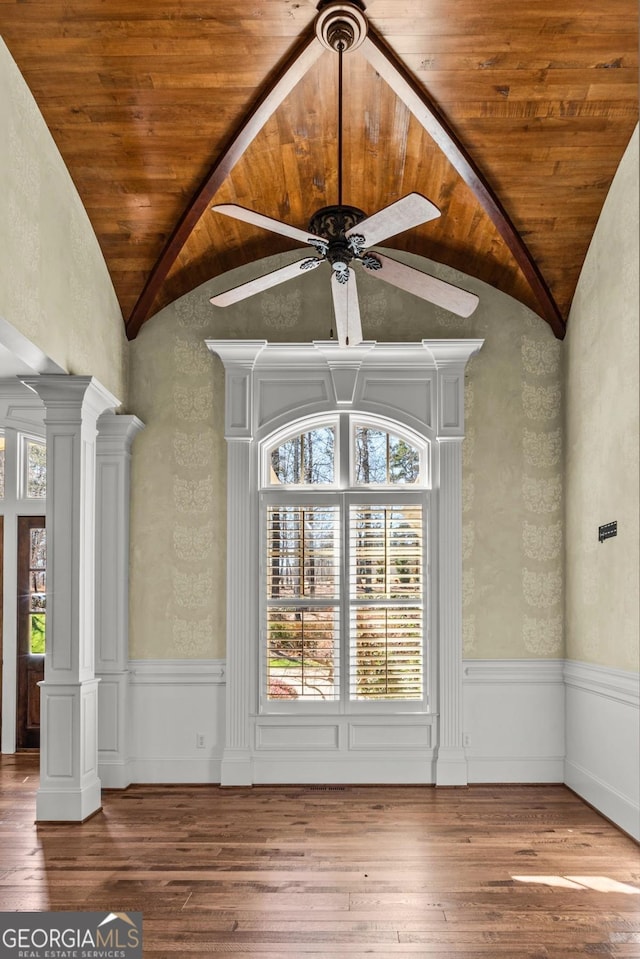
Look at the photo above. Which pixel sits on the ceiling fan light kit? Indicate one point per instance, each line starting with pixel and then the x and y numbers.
pixel 342 235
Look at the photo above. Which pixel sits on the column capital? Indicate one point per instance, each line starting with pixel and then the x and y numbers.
pixel 61 391
pixel 452 352
pixel 116 432
pixel 239 358
pixel 237 353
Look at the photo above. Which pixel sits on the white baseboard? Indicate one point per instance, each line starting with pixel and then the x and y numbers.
pixel 620 809
pixel 114 775
pixel 516 769
pixel 175 769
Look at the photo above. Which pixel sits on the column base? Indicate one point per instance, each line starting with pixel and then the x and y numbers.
pixel 68 805
pixel 451 767
pixel 236 768
pixel 69 784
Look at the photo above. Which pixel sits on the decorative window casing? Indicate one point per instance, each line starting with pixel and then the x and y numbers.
pixel 350 441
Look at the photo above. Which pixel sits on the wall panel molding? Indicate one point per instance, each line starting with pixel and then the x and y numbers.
pixel 616 684
pixel 176 672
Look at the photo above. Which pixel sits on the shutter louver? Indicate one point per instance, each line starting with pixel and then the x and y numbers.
pixel 386 609
pixel 303 614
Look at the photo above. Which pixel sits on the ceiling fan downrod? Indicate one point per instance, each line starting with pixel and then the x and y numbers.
pixel 340 27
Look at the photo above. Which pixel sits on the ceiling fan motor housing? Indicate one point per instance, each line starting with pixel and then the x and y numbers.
pixel 331 223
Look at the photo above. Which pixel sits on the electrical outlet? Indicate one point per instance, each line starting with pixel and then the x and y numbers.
pixel 200 741
pixel 466 740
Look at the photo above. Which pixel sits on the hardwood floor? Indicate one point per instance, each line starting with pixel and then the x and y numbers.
pixel 517 872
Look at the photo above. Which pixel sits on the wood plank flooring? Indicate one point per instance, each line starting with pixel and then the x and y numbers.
pixel 275 872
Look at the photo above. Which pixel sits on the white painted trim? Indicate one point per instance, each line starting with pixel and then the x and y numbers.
pixel 498 671
pixel 619 808
pixel 616 684
pixel 516 769
pixel 174 770
pixel 345 769
pixel 27 357
pixel 177 672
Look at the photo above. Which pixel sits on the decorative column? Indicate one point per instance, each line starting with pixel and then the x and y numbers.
pixel 69 784
pixel 451 357
pixel 239 359
pixel 113 473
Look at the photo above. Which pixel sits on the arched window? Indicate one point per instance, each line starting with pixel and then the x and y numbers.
pixel 344 515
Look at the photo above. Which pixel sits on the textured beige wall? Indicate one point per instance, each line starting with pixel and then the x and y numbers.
pixel 54 285
pixel 513 591
pixel 602 436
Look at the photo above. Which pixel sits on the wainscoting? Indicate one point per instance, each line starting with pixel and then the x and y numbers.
pixel 525 721
pixel 514 720
pixel 603 741
pixel 176 710
pixel 341 749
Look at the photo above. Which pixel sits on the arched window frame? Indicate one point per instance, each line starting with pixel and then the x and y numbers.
pixel 345 425
pixel 343 494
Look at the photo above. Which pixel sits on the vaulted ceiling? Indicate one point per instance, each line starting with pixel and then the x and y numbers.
pixel 511 118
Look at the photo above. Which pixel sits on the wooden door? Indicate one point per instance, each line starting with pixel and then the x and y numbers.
pixel 32 574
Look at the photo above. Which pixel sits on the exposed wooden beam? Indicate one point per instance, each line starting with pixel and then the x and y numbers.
pixel 417 100
pixel 292 71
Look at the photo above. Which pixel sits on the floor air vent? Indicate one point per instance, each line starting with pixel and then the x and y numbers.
pixel 326 789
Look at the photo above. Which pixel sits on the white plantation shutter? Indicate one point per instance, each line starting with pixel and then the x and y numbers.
pixel 386 548
pixel 303 593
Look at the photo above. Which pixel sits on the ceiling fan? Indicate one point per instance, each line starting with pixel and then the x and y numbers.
pixel 342 235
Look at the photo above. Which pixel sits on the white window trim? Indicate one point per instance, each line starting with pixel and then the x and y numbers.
pixel 267 387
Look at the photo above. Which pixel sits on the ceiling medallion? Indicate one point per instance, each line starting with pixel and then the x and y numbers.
pixel 341 26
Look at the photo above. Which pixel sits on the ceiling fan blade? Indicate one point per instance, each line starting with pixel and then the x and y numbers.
pixel 428 287
pixel 265 282
pixel 410 211
pixel 264 222
pixel 347 310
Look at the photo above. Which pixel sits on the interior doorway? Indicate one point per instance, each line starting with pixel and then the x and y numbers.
pixel 32 584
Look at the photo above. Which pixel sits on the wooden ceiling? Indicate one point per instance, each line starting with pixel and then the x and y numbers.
pixel 158 109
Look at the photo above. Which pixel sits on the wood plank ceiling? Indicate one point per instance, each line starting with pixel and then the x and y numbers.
pixel 145 99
